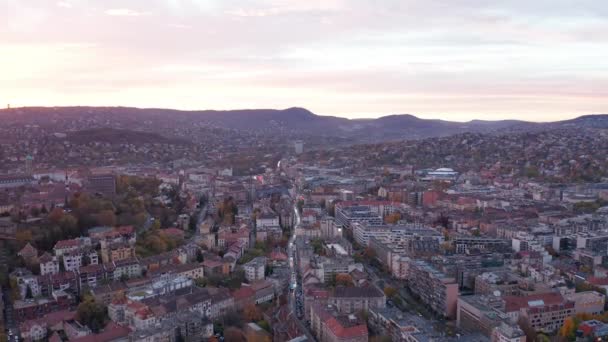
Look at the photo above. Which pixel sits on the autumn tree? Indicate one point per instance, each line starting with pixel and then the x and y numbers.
pixel 390 292
pixel 233 334
pixel 369 253
pixel 393 218
pixel 568 329
pixel 527 328
pixel 252 312
pixel 91 313
pixel 106 218
pixel 56 215
pixel 344 279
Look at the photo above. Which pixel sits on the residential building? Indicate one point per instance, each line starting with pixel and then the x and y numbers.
pixel 355 299
pixel 435 289
pixel 328 324
pixel 48 264
pixel 255 269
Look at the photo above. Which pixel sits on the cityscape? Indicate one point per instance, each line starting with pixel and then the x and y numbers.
pixel 118 233
pixel 303 171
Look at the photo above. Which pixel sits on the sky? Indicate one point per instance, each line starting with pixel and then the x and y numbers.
pixel 537 60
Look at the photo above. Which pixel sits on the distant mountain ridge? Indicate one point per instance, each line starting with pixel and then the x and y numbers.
pixel 290 120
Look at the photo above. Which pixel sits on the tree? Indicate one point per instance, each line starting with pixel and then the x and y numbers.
pixel 252 312
pixel 23 236
pixel 233 334
pixel 390 292
pixel 91 313
pixel 343 279
pixel 527 328
pixel 369 253
pixel 106 218
pixel 35 211
pixel 28 293
pixel 568 329
pixel 393 218
pixel 56 215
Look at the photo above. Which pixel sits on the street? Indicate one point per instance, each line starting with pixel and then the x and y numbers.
pixel 295 293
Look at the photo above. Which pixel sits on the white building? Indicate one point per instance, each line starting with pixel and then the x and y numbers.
pixel 48 264
pixel 298 146
pixel 255 269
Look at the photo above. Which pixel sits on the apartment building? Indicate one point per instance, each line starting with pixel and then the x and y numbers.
pixel 435 289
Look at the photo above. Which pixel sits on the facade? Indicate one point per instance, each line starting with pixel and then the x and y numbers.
pixel 346 216
pixel 355 299
pixel 255 269
pixel 48 264
pixel 116 251
pixel 104 184
pixel 437 290
pixel 329 325
pixel 545 312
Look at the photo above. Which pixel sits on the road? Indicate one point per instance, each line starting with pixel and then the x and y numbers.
pixel 9 323
pixel 295 283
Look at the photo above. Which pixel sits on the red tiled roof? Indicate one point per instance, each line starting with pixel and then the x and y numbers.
pixel 346 332
pixel 514 303
pixel 277 255
pixel 243 292
pixel 67 244
pixel 597 281
pixel 46 257
pixel 28 250
pixel 174 232
pixel 111 332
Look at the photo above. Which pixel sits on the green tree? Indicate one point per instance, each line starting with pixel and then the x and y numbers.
pixel 28 293
pixel 91 313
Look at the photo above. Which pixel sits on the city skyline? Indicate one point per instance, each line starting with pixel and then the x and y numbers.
pixel 458 61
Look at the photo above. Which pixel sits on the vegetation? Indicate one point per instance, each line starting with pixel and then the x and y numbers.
pixel 227 211
pixel 91 313
pixel 233 281
pixel 155 242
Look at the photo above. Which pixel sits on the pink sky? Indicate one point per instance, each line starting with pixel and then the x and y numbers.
pixel 456 60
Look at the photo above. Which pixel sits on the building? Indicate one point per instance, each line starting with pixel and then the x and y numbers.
pixel 255 269
pixel 328 324
pixel 116 251
pixel 435 289
pixel 481 313
pixel 441 174
pixel 508 333
pixel 29 309
pixel 346 216
pixel 298 146
pixel 15 181
pixel 48 264
pixel 355 299
pixel 74 259
pixel 545 312
pixel 29 254
pixel 329 229
pixel 104 184
pixel 590 302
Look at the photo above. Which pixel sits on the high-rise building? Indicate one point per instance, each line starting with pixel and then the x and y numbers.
pixel 29 161
pixel 298 146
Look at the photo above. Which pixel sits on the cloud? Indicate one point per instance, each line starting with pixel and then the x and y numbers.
pixel 125 12
pixel 64 4
pixel 241 12
pixel 180 26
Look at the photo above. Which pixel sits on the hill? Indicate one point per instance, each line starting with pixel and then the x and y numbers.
pixel 291 122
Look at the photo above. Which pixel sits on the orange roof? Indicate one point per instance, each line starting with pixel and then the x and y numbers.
pixel 243 293
pixel 346 332
pixel 28 250
pixel 514 303
pixel 111 332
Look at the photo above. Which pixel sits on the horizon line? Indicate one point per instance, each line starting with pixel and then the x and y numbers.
pixel 371 117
